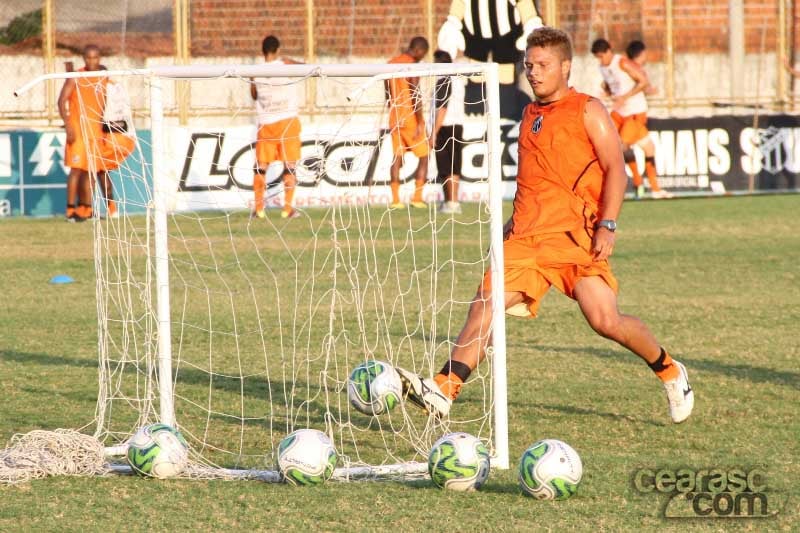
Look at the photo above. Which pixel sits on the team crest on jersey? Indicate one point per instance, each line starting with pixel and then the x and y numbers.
pixel 537 124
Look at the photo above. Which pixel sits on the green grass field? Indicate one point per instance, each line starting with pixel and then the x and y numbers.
pixel 716 279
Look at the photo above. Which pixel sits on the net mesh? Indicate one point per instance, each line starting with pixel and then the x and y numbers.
pixel 270 316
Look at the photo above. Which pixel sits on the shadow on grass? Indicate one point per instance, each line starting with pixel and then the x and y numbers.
pixel 572 410
pixel 46 359
pixel 754 374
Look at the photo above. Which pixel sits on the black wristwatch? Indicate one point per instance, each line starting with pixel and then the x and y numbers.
pixel 610 225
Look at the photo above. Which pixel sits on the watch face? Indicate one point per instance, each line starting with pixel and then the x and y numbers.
pixel 608 224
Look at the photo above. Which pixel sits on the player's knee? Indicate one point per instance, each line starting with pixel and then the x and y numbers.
pixel 606 324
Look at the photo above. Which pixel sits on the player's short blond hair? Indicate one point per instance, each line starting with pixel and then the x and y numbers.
pixel 547 37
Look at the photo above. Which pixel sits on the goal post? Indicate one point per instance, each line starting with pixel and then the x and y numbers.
pixel 239 330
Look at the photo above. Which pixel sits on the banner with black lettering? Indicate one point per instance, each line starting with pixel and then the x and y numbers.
pixel 213 168
pixel 721 154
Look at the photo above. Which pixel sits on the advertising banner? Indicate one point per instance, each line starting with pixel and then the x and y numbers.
pixel 213 168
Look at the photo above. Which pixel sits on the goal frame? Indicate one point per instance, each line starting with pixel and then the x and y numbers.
pixel 158 212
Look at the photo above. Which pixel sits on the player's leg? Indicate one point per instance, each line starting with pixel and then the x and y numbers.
pixel 265 154
pixel 449 147
pixel 641 133
pixel 598 303
pixel 289 187
pixel 414 137
pixel 420 179
pixel 649 148
pixel 398 149
pixel 628 134
pixel 85 189
pixel 107 192
pixel 73 180
pixel 290 154
pixel 436 395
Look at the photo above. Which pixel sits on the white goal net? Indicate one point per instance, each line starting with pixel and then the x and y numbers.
pixel 239 329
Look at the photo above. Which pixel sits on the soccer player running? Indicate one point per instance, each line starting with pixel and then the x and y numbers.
pixel 626 82
pixel 278 137
pixel 407 124
pixel 570 186
pixel 447 133
pixel 81 104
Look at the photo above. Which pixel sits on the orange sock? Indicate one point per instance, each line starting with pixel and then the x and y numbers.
pixel 664 367
pixel 259 183
pixel 288 197
pixel 637 177
pixel 395 192
pixel 70 210
pixel 450 385
pixel 650 170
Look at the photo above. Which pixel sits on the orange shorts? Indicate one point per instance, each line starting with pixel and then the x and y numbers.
pixel 404 138
pixel 533 264
pixel 77 154
pixel 278 141
pixel 113 148
pixel 632 128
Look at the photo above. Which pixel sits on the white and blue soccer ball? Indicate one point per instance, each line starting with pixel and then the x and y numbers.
pixel 374 387
pixel 550 470
pixel 459 461
pixel 158 451
pixel 307 457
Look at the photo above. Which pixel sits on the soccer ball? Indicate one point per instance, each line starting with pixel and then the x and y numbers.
pixel 550 470
pixel 374 387
pixel 159 451
pixel 459 461
pixel 307 457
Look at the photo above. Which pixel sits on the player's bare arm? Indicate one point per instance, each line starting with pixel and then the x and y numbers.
pixel 63 98
pixel 638 75
pixel 607 145
pixel 253 89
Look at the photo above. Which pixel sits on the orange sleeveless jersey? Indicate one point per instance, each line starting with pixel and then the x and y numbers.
pixel 402 97
pixel 559 179
pixel 86 104
pixel 88 100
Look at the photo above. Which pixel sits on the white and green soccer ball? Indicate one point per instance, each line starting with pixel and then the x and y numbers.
pixel 159 451
pixel 374 387
pixel 550 470
pixel 459 461
pixel 307 457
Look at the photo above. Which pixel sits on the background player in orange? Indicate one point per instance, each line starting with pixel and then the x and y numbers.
pixel 407 124
pixel 625 81
pixel 80 105
pixel 278 137
pixel 561 232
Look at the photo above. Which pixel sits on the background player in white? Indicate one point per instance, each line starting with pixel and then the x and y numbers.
pixel 278 137
pixel 447 134
pixel 626 82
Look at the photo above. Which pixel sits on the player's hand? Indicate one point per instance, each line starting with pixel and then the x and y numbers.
pixel 71 136
pixel 527 28
pixel 602 244
pixel 450 38
pixel 619 101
